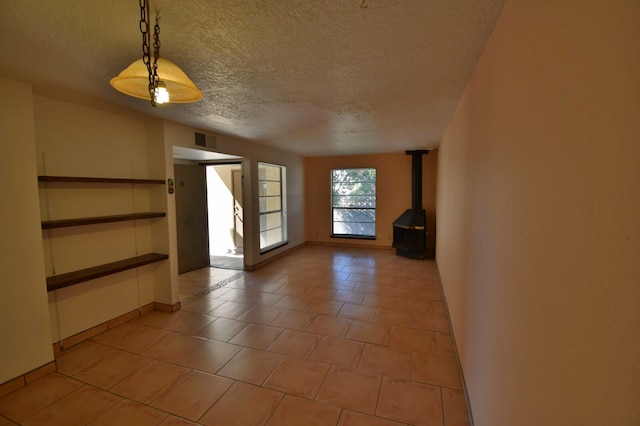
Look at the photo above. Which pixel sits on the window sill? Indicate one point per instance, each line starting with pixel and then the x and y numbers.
pixel 353 237
pixel 273 247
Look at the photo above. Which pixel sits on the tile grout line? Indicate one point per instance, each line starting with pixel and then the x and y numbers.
pixel 284 356
pixel 214 287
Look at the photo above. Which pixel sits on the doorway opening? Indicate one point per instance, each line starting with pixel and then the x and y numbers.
pixel 193 218
pixel 225 213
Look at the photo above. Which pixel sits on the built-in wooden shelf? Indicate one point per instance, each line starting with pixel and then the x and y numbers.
pixel 97 180
pixel 56 282
pixel 64 223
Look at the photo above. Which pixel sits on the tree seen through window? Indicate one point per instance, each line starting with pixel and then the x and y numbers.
pixel 353 202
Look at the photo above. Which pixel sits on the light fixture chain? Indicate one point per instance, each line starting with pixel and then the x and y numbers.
pixel 156 51
pixel 144 29
pixel 146 57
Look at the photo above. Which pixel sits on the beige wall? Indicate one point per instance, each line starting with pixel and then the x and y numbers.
pixel 539 217
pixel 23 297
pixel 75 140
pixel 393 194
pixel 41 135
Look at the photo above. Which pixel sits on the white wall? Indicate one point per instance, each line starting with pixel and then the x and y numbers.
pixel 538 212
pixel 24 316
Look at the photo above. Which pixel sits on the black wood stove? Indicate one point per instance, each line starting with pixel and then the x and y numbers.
pixel 410 229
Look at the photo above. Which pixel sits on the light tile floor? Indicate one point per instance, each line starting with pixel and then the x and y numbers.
pixel 322 336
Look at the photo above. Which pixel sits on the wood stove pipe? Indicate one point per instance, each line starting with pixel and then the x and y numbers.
pixel 416 177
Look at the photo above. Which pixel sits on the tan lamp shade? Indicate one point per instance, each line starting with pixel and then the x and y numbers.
pixel 134 81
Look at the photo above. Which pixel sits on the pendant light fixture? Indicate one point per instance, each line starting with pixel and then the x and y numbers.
pixel 154 78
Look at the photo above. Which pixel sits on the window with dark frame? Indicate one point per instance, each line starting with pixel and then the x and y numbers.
pixel 271 198
pixel 353 203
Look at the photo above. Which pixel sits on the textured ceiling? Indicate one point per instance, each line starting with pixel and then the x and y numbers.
pixel 313 77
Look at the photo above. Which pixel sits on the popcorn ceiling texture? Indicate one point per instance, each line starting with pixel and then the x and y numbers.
pixel 313 77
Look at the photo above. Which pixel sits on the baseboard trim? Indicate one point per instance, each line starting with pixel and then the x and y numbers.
pixel 59 347
pixel 77 338
pixel 164 307
pixel 83 335
pixel 251 268
pixel 40 372
pixel 13 385
pixel 348 245
pixel 27 378
pixel 457 354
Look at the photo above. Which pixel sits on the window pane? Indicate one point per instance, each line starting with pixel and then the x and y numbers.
pixel 268 172
pixel 271 237
pixel 364 229
pixel 360 188
pixel 270 220
pixel 354 201
pixel 354 215
pixel 269 188
pixel 270 204
pixel 271 201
